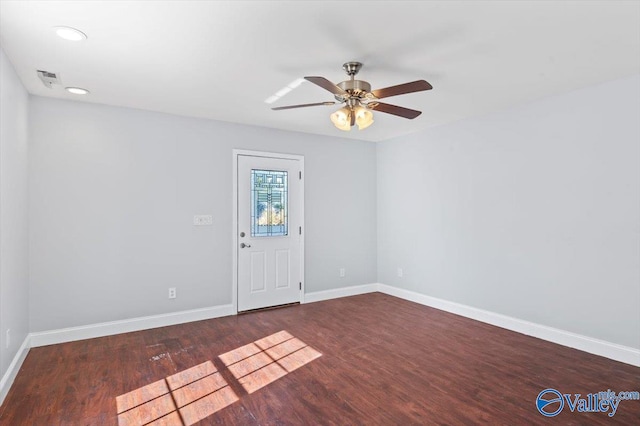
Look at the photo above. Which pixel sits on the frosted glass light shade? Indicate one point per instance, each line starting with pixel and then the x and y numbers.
pixel 340 119
pixel 364 118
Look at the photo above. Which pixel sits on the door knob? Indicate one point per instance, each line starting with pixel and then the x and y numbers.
pixel 243 245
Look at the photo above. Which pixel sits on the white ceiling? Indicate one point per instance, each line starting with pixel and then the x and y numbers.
pixel 222 59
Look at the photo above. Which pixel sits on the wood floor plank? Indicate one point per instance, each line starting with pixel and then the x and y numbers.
pixel 198 389
pixel 364 360
pixel 191 375
pixel 141 395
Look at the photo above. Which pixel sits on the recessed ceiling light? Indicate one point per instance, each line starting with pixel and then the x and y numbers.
pixel 77 90
pixel 69 33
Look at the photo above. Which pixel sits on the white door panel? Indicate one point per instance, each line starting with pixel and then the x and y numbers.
pixel 258 267
pixel 269 243
pixel 283 268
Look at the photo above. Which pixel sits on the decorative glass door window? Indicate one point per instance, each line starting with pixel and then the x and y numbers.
pixel 269 205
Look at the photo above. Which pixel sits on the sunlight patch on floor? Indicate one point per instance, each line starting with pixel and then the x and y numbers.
pixel 266 360
pixel 194 394
pixel 181 399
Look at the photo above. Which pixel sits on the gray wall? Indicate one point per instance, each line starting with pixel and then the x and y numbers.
pixel 533 212
pixel 14 256
pixel 113 192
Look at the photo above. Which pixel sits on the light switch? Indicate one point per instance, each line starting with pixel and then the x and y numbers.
pixel 203 220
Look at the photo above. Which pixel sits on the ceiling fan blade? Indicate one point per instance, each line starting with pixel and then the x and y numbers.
pixel 401 89
pixel 352 117
pixel 326 85
pixel 303 105
pixel 396 110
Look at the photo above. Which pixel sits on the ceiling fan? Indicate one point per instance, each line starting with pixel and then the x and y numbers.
pixel 359 100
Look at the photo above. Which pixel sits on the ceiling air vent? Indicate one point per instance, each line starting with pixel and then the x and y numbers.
pixel 48 78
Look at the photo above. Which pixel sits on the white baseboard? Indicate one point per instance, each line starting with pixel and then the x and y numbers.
pixel 584 343
pixel 598 347
pixel 91 331
pixel 14 367
pixel 318 296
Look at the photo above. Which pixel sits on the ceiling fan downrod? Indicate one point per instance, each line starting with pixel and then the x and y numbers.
pixel 353 87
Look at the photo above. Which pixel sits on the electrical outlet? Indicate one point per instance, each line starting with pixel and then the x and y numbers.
pixel 203 220
pixel 8 339
pixel 343 272
pixel 172 292
pixel 400 273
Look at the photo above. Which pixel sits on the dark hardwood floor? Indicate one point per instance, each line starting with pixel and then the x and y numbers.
pixel 371 359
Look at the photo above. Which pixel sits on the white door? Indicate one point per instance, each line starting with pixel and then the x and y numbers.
pixel 269 231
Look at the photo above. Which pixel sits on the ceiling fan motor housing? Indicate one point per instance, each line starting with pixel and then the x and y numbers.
pixel 354 88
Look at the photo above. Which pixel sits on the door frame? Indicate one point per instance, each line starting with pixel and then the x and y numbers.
pixel 243 152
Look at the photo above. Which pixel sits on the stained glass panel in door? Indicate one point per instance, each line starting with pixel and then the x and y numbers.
pixel 269 203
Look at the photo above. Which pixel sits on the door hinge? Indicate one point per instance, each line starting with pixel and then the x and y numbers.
pixel 300 175
pixel 300 230
pixel 300 286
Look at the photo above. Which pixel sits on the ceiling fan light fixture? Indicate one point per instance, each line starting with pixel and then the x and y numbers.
pixel 364 118
pixel 340 119
pixel 69 33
